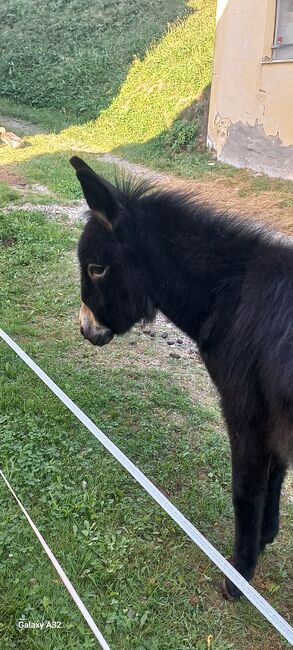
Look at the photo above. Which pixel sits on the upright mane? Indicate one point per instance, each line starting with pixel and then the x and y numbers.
pixel 188 207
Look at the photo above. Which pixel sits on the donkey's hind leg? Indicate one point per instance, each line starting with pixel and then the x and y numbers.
pixel 270 522
pixel 250 481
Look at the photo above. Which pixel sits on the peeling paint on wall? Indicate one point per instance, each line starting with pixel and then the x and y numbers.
pixel 222 130
pixel 249 146
pixel 250 117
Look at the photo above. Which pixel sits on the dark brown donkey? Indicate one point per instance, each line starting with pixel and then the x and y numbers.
pixel 229 285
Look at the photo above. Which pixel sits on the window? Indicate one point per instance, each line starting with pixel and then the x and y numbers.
pixel 283 40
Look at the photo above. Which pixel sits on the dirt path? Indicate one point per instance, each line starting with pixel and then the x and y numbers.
pixel 219 192
pixel 20 127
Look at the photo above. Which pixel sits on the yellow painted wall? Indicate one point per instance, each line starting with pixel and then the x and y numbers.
pixel 248 89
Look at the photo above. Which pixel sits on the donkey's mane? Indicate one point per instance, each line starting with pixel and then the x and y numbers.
pixel 133 186
pixel 186 204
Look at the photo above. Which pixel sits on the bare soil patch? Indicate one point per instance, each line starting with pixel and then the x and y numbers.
pixel 9 175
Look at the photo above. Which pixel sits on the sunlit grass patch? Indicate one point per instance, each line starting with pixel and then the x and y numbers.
pixel 159 86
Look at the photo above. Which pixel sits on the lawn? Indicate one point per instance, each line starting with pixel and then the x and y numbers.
pixel 147 586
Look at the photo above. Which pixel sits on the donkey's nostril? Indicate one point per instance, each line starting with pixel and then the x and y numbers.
pixel 82 331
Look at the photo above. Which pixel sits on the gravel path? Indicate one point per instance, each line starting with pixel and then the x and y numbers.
pixel 168 335
pixel 74 212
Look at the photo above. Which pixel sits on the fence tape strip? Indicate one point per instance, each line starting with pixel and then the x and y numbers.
pixel 278 622
pixel 69 586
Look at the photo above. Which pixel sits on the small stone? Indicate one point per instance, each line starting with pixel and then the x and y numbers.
pixel 153 334
pixel 164 335
pixel 132 342
pixel 180 341
pixel 170 342
pixel 174 355
pixel 8 242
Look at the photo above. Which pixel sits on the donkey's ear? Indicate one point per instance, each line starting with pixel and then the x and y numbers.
pixel 101 196
pixel 78 164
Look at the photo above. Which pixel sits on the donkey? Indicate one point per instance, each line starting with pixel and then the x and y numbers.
pixel 228 284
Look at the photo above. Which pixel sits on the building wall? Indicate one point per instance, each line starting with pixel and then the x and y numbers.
pixel 251 106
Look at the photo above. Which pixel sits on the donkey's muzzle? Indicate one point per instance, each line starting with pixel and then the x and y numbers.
pixel 91 329
pixel 103 337
pixel 100 337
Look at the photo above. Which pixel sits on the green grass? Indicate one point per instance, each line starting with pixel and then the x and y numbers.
pixel 55 172
pixel 138 108
pixel 73 57
pixel 8 194
pixel 159 87
pixel 157 154
pixel 262 184
pixel 145 583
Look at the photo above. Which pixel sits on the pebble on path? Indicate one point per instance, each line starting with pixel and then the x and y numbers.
pixel 174 355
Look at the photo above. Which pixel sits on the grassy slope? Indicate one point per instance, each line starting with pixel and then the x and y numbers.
pixel 144 116
pixel 158 88
pixel 147 586
pixel 71 56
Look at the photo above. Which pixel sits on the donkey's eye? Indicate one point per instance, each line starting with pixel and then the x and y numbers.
pixel 96 271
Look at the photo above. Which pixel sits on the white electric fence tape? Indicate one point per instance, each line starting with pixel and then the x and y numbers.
pixel 74 595
pixel 251 594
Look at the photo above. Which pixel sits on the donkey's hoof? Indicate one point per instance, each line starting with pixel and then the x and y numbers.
pixel 228 590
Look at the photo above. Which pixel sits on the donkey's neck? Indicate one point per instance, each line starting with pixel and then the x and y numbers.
pixel 192 257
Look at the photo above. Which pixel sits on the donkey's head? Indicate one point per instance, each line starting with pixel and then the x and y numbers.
pixel 115 288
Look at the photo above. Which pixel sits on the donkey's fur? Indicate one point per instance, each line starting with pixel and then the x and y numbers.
pixel 229 285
